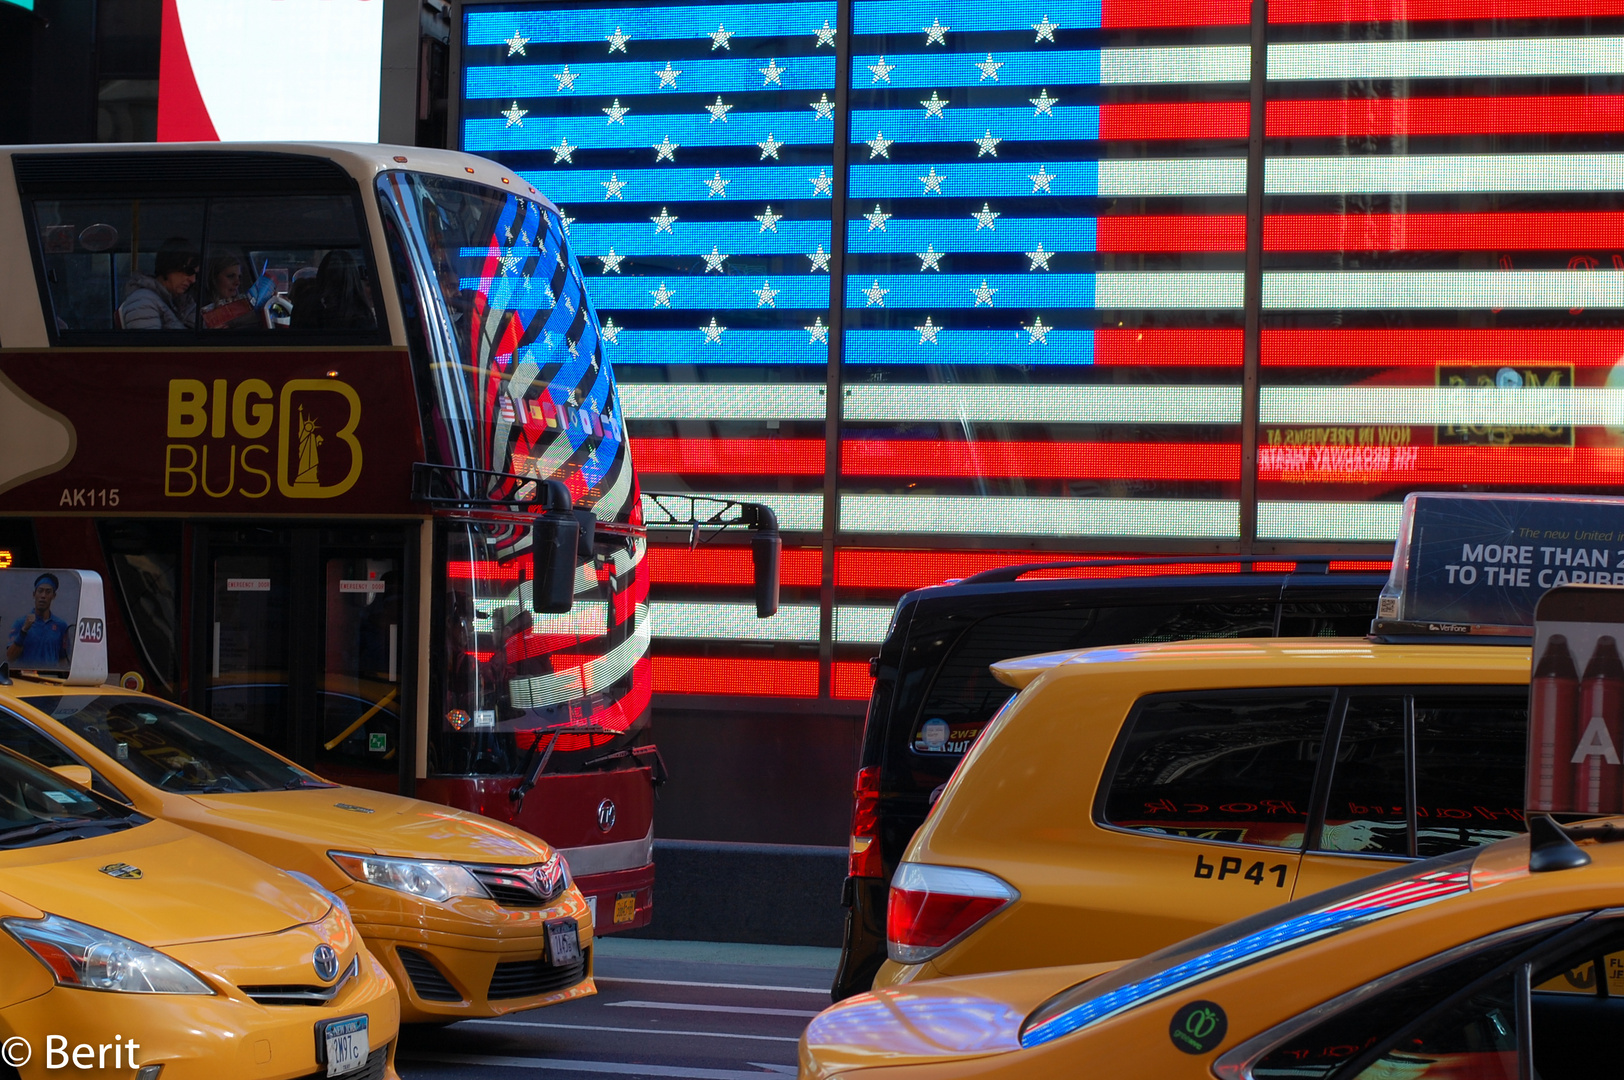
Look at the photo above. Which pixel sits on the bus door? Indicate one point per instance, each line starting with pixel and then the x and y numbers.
pixel 303 642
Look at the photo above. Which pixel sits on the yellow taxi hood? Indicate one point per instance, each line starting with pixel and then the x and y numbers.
pixel 159 884
pixel 966 1017
pixel 355 819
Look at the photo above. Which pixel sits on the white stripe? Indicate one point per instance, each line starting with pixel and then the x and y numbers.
pixel 612 1068
pixel 722 401
pixel 800 513
pixel 1447 59
pixel 688 1006
pixel 820 990
pixel 862 625
pixel 1217 519
pixel 1559 289
pixel 1446 174
pixel 957 403
pixel 608 858
pixel 656 1032
pixel 584 619
pixel 734 622
pixel 1329 521
pixel 1179 64
pixel 1464 406
pixel 595 674
pixel 1169 290
pixel 1205 176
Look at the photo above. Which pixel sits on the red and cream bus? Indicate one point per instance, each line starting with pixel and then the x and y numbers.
pixel 335 425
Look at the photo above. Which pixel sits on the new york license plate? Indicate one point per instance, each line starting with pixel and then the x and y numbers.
pixel 346 1044
pixel 563 942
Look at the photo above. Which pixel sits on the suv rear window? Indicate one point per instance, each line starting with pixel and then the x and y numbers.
pixel 1234 767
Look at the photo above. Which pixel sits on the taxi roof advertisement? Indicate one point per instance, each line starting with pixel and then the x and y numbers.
pixel 1576 702
pixel 1480 563
pixel 55 621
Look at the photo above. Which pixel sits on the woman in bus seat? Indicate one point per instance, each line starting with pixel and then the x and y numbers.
pixel 163 301
pixel 338 298
pixel 227 306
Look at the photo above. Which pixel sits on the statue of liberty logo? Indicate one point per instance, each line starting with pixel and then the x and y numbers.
pixel 309 457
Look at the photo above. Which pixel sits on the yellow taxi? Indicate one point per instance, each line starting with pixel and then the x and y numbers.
pixel 471 917
pixel 1132 796
pixel 1495 963
pixel 131 947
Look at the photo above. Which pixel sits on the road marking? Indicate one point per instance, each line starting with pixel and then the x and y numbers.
pixel 601 980
pixel 618 1068
pixel 683 1006
pixel 635 1031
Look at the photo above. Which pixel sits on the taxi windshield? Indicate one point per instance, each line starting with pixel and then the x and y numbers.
pixel 171 748
pixel 39 807
pixel 1248 941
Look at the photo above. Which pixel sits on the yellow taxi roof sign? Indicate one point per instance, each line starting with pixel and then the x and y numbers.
pixel 54 622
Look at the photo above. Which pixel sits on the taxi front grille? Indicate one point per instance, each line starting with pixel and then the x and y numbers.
pixel 427 981
pixel 518 886
pixel 294 994
pixel 525 978
pixel 374 1069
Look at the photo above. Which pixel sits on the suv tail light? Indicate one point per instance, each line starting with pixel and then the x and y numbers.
pixel 934 906
pixel 863 859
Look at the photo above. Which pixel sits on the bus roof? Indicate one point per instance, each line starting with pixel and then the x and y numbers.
pixel 361 160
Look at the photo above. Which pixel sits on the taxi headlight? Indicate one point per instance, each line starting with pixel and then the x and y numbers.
pixel 83 956
pixel 435 881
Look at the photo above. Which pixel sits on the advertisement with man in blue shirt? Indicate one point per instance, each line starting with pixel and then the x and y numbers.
pixel 39 639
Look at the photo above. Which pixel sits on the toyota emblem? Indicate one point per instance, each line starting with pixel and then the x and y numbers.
pixel 326 962
pixel 606 815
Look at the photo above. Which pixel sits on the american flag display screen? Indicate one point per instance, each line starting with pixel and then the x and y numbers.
pixel 1036 313
pixel 1442 296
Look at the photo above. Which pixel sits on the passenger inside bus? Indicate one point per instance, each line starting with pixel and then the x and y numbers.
pixel 227 306
pixel 336 298
pixel 164 301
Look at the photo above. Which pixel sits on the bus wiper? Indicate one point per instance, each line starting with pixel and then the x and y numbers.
pixel 46 828
pixel 534 767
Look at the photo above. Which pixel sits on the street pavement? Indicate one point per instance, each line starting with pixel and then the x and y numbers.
pixel 667 1009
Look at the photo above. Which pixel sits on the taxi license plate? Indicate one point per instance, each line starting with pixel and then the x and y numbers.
pixel 344 1044
pixel 563 943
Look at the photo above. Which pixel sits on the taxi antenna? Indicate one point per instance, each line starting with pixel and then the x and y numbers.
pixel 1551 848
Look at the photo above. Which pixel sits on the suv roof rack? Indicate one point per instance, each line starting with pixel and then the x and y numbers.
pixel 1312 564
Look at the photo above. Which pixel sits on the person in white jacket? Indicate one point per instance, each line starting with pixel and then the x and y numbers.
pixel 164 301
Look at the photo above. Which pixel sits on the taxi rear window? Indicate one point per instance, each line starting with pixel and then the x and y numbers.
pixel 1231 767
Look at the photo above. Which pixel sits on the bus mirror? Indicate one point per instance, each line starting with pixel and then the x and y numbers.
pixel 766 551
pixel 588 521
pixel 555 538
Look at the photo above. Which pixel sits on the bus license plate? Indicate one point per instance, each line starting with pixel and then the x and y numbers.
pixel 563 942
pixel 346 1044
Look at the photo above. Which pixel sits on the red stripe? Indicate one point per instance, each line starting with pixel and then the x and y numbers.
pixel 1046 460
pixel 1126 13
pixel 714 675
pixel 1437 116
pixel 1589 347
pixel 1177 120
pixel 1150 233
pixel 729 566
pixel 1443 232
pixel 1150 347
pixel 741 457
pixel 850 681
pixel 1537 466
pixel 1380 565
pixel 1335 11
pixel 183 115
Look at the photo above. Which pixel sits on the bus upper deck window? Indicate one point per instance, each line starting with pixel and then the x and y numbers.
pixel 262 264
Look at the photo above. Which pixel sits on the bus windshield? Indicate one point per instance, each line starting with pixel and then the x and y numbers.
pixel 516 355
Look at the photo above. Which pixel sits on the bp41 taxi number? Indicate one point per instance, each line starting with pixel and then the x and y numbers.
pixel 1230 866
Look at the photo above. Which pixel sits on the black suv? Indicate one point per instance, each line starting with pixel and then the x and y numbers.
pixel 934 694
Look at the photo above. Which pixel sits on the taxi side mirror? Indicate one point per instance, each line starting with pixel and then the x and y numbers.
pixel 79 774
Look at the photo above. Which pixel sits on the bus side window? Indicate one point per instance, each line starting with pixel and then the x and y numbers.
pixel 277 262
pixel 101 255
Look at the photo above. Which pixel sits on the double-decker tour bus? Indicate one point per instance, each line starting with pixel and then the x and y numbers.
pixel 335 425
